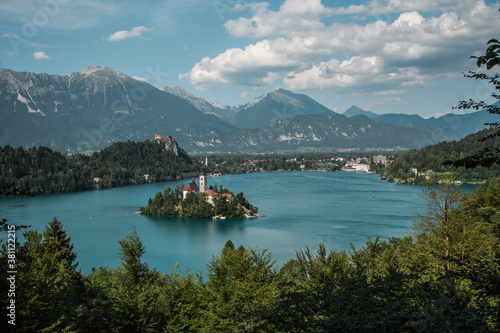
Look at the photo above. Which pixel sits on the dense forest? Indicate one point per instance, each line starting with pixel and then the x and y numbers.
pixel 226 204
pixel 42 170
pixel 442 278
pixel 430 161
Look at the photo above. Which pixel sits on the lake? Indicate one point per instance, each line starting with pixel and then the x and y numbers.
pixel 302 209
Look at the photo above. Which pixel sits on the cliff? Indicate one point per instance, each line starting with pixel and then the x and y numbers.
pixel 169 143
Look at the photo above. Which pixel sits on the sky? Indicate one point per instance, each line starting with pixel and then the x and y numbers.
pixel 385 56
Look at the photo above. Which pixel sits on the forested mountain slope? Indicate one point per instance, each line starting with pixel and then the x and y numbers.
pixel 432 158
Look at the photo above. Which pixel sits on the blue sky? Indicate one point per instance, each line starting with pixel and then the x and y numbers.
pixel 405 56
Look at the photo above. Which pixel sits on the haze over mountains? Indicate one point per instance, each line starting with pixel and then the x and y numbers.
pixel 90 109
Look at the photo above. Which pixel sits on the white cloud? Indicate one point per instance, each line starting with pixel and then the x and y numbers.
pixel 375 7
pixel 414 42
pixel 256 65
pixel 299 16
pixel 40 55
pixel 334 73
pixel 125 34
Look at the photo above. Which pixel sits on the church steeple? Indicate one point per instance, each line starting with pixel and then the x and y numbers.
pixel 203 180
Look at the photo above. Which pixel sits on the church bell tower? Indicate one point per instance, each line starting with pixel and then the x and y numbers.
pixel 203 181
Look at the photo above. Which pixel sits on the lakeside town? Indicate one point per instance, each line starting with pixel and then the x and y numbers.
pixel 223 164
pixel 389 167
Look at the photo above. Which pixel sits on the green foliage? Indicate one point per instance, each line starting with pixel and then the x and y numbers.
pixel 170 203
pixel 328 292
pixel 433 158
pixel 41 170
pixel 489 155
pixel 49 288
pixel 451 230
pixel 241 290
pixel 445 279
pixel 131 252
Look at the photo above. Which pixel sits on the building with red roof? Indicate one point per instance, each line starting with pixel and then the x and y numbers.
pixel 191 187
pixel 210 196
pixel 228 196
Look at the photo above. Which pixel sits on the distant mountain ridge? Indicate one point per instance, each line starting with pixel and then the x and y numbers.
pixel 357 111
pixel 259 113
pixel 447 127
pixel 263 111
pixel 317 132
pixel 90 109
pixel 277 104
pixel 225 112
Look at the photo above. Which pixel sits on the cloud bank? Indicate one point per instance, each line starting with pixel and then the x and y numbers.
pixel 392 45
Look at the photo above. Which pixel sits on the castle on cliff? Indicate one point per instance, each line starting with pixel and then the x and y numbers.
pixel 168 142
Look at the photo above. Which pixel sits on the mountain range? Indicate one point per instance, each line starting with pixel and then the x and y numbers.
pixel 260 112
pixel 90 109
pixel 448 127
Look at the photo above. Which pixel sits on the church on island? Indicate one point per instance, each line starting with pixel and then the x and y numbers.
pixel 192 187
pixel 207 202
pixel 210 195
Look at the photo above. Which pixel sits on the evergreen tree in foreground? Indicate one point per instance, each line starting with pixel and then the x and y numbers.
pixel 50 287
pixel 445 279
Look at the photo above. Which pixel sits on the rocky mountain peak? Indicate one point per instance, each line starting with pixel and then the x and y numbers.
pixel 90 69
pixel 98 70
pixel 178 91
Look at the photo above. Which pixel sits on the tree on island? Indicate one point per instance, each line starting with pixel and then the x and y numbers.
pixel 170 203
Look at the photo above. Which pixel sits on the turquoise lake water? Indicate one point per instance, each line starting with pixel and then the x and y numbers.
pixel 302 209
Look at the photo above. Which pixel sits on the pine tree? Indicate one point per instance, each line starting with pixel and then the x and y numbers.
pixel 57 244
pixel 52 286
pixel 130 255
pixel 242 288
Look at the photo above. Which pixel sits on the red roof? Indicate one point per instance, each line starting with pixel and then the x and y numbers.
pixel 191 186
pixel 211 193
pixel 228 196
pixel 158 136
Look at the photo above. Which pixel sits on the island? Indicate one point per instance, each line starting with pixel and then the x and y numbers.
pixel 213 202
